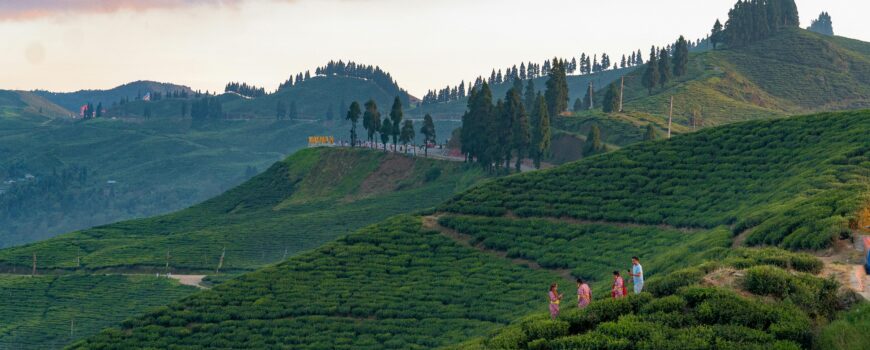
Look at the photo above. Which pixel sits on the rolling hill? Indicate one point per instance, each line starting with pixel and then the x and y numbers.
pixel 48 312
pixel 795 71
pixel 317 98
pixel 20 106
pixel 299 203
pixel 474 272
pixel 64 175
pixel 74 100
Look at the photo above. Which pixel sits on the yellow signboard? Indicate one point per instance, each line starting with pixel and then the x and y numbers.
pixel 321 140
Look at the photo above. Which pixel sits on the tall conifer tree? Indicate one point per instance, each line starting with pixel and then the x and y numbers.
pixel 651 74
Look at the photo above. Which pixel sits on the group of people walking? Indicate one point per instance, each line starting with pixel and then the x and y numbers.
pixel 584 293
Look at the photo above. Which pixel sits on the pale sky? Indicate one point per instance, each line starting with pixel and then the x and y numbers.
pixel 66 45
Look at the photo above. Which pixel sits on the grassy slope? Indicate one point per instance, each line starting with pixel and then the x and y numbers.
pixel 74 100
pixel 158 165
pixel 27 105
pixel 45 312
pixel 313 98
pixel 299 203
pixel 302 202
pixel 394 285
pixel 794 72
pixel 752 299
pixel 796 182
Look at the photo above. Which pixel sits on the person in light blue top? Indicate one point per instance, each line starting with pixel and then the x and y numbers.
pixel 636 274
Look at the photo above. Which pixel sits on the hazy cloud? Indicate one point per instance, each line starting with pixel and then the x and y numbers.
pixel 34 9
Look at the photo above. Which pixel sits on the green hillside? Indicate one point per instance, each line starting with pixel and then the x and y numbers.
pixel 795 71
pixel 475 272
pixel 47 312
pixel 94 172
pixel 308 199
pixel 754 301
pixel 300 203
pixel 20 106
pixel 796 183
pixel 74 100
pixel 314 97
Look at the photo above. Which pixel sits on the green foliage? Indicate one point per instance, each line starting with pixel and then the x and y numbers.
pixel 817 296
pixel 792 72
pixel 651 73
pixel 371 119
pixel 851 331
pixel 133 169
pixel 396 120
pixel 750 21
pixel 300 203
pixel 593 142
pixel 540 136
pixel 694 318
pixel 664 67
pixel 556 93
pixel 822 25
pixel 353 114
pixel 799 179
pixel 611 99
pixel 389 286
pixel 44 312
pixel 681 57
pixel 571 246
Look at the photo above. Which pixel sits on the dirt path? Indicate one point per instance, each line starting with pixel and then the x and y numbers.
pixel 844 262
pixel 431 222
pixel 190 280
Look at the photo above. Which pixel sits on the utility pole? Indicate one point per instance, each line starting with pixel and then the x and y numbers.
pixel 670 116
pixel 591 96
pixel 166 269
pixel 33 272
pixel 72 327
pixel 221 262
pixel 285 255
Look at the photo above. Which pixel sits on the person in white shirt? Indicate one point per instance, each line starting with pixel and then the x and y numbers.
pixel 636 274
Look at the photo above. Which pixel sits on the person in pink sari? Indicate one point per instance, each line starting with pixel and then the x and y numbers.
pixel 618 289
pixel 584 294
pixel 555 299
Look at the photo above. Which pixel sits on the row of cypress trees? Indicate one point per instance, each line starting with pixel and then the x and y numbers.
pixel 516 127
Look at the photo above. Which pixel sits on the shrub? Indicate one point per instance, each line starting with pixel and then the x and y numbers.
pixel 767 280
pixel 670 283
pixel 590 341
pixel 806 263
pixel 539 344
pixel 849 332
pixel 792 325
pixel 673 303
pixel 509 338
pixel 432 174
pixel 545 329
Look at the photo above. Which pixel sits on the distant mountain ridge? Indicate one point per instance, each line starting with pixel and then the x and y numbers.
pixel 74 100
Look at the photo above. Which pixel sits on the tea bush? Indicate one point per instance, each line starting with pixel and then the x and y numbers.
pixel 388 286
pixel 693 318
pixel 797 181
